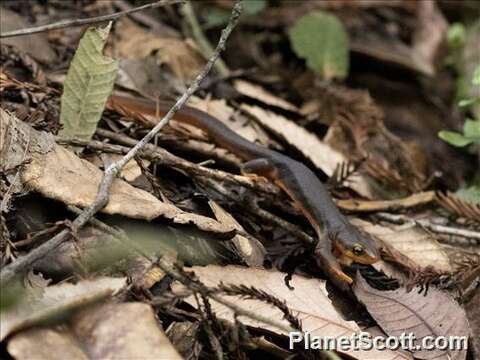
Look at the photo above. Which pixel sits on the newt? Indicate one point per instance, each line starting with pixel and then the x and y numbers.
pixel 339 242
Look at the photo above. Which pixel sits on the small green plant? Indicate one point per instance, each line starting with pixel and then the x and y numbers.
pixel 471 134
pixel 456 35
pixel 471 128
pixel 218 17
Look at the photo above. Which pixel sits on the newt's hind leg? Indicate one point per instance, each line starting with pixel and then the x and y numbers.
pixel 259 167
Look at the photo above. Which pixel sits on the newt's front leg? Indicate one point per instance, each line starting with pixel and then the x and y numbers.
pixel 329 263
pixel 260 167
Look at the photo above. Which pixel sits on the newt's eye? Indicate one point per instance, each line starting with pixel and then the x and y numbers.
pixel 357 249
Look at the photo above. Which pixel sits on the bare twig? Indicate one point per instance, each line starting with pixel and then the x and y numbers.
pixel 80 22
pixel 414 200
pixel 148 21
pixel 441 229
pixel 111 172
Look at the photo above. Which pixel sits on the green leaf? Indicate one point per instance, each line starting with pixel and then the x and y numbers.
pixel 471 129
pixel 467 102
pixel 253 7
pixel 476 76
pixel 89 82
pixel 218 17
pixel 454 138
pixel 321 40
pixel 456 35
pixel 470 194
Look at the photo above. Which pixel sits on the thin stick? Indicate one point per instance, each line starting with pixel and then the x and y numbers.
pixel 474 236
pixel 111 172
pixel 80 22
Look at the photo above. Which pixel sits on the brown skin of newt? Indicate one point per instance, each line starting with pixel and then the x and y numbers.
pixel 339 241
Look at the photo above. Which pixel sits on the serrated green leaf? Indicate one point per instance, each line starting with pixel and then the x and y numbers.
pixel 471 129
pixel 454 138
pixel 322 40
pixel 89 82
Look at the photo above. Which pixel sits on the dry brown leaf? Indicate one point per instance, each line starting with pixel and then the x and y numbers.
pixel 412 241
pixel 249 250
pixel 473 312
pixel 308 301
pixel 322 155
pixel 132 42
pixel 359 132
pixel 95 334
pixel 378 47
pixel 421 56
pixel 57 300
pixel 63 176
pixel 153 65
pixel 145 77
pixel 35 45
pixel 434 314
pixel 16 144
pixel 40 343
pixel 225 113
pixel 430 34
pixel 59 174
pixel 122 331
pixel 259 93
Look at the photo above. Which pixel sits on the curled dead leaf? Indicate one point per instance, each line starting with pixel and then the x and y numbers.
pixel 400 312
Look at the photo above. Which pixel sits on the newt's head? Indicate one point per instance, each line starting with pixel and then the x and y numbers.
pixel 345 246
pixel 350 245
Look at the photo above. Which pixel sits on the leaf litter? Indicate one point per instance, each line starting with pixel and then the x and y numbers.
pixel 280 103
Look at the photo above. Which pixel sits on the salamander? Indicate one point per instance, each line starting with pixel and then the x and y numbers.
pixel 339 242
